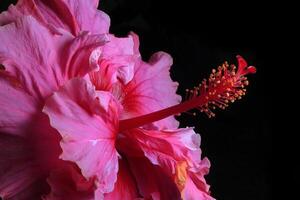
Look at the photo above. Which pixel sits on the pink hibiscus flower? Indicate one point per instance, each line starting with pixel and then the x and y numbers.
pixel 83 117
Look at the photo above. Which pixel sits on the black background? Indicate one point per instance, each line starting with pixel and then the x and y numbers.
pixel 201 36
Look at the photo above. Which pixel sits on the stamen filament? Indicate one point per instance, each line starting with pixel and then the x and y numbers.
pixel 161 114
pixel 223 86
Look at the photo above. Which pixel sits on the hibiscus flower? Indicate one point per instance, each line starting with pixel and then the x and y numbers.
pixel 83 117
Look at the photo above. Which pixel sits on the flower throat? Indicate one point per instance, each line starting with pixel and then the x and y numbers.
pixel 224 86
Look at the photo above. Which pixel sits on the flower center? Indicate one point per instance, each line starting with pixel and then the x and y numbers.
pixel 224 85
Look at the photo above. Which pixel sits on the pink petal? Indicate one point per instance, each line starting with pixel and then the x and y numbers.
pixel 54 15
pixel 67 183
pixel 191 192
pixel 152 182
pixel 29 147
pixel 16 106
pixel 27 52
pixel 27 151
pixel 125 187
pixel 167 148
pixel 88 17
pixel 113 72
pixel 26 161
pixel 19 173
pixel 152 83
pixel 197 175
pixel 72 16
pixel 42 61
pixel 81 55
pixel 116 64
pixel 87 121
pixel 119 46
pixel 136 43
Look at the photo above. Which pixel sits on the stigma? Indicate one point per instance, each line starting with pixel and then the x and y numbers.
pixel 225 85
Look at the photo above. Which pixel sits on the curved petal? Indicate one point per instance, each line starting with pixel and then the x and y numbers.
pixel 88 17
pixel 119 46
pixel 40 59
pixel 15 115
pixel 152 182
pixel 197 174
pixel 19 173
pixel 25 143
pixel 191 192
pixel 14 154
pixel 152 83
pixel 177 152
pixel 72 16
pixel 166 148
pixel 67 183
pixel 112 74
pixel 116 63
pixel 27 52
pixel 26 159
pixel 125 187
pixel 81 55
pixel 87 121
